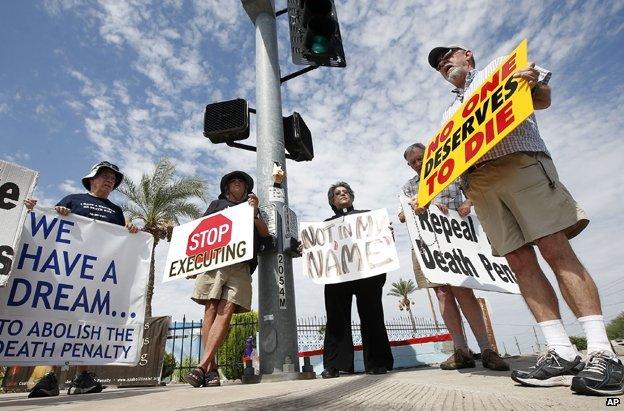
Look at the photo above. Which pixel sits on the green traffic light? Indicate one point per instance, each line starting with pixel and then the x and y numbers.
pixel 320 45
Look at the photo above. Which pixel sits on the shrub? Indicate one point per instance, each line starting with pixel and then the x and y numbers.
pixel 580 342
pixel 169 365
pixel 615 328
pixel 230 354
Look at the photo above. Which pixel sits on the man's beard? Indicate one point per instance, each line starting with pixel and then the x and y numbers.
pixel 454 73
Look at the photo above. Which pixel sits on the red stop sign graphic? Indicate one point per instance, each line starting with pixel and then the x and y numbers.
pixel 213 232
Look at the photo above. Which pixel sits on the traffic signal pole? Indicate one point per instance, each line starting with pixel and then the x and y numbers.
pixel 277 317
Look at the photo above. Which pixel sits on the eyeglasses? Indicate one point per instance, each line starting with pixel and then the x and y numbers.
pixel 446 56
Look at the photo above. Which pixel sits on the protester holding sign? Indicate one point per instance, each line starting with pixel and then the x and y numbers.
pixel 226 290
pixel 338 344
pixel 100 182
pixel 521 203
pixel 449 296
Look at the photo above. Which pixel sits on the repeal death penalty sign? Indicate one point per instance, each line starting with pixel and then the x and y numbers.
pixel 494 110
pixel 217 240
pixel 76 294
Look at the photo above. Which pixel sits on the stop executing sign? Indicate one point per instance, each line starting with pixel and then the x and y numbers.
pixel 212 233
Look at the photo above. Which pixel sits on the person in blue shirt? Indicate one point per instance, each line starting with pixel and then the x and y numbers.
pixel 103 178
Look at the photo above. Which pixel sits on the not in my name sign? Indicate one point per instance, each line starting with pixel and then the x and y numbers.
pixel 349 248
pixel 454 250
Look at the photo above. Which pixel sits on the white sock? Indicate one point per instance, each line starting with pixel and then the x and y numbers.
pixel 557 339
pixel 596 334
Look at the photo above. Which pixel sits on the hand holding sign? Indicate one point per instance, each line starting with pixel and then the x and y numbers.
pixel 417 209
pixel 64 211
pixel 529 73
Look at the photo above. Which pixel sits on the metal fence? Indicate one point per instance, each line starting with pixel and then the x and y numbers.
pixel 185 344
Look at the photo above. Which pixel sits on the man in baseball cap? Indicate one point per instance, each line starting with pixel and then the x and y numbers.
pixel 523 207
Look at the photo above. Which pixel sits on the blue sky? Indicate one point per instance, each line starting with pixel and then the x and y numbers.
pixel 127 81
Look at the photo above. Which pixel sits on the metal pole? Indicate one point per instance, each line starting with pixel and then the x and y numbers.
pixel 517 345
pixel 278 324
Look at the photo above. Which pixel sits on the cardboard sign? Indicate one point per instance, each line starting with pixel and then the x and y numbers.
pixel 77 293
pixel 16 184
pixel 218 240
pixel 489 114
pixel 455 251
pixel 348 248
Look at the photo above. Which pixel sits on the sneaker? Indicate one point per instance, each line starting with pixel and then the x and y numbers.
pixel 85 383
pixel 458 360
pixel 47 386
pixel 493 361
pixel 603 375
pixel 550 370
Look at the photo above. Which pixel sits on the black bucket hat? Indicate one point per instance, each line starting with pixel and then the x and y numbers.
pixel 86 182
pixel 236 174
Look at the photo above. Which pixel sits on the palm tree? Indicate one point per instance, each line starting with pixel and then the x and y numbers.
pixel 402 289
pixel 159 200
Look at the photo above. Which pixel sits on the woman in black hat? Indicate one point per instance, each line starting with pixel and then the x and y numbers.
pixel 227 290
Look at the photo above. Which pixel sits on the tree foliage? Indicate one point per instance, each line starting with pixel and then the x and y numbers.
pixel 615 328
pixel 403 289
pixel 158 201
pixel 230 354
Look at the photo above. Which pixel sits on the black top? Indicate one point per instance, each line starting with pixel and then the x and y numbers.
pixel 94 207
pixel 221 204
pixel 341 212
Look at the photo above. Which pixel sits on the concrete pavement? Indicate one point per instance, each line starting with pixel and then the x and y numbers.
pixel 421 388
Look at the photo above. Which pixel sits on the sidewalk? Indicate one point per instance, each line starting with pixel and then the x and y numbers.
pixel 421 388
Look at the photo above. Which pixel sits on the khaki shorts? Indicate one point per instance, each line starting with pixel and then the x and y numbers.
pixel 421 280
pixel 519 199
pixel 231 283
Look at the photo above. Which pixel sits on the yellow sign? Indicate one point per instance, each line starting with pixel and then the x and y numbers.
pixel 494 110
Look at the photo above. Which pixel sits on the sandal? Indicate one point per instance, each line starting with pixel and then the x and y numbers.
pixel 196 377
pixel 211 379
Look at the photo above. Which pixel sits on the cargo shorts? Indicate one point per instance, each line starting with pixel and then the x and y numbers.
pixel 231 283
pixel 519 199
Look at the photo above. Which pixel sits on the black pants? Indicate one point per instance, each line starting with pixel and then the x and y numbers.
pixel 338 346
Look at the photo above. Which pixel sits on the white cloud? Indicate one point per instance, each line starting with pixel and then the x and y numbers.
pixel 70 186
pixel 362 116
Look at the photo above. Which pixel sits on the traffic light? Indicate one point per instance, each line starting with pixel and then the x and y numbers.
pixel 297 138
pixel 227 121
pixel 314 33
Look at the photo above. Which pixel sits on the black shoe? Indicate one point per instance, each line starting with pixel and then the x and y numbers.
pixel 549 371
pixel 330 373
pixel 603 375
pixel 47 386
pixel 377 371
pixel 85 383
